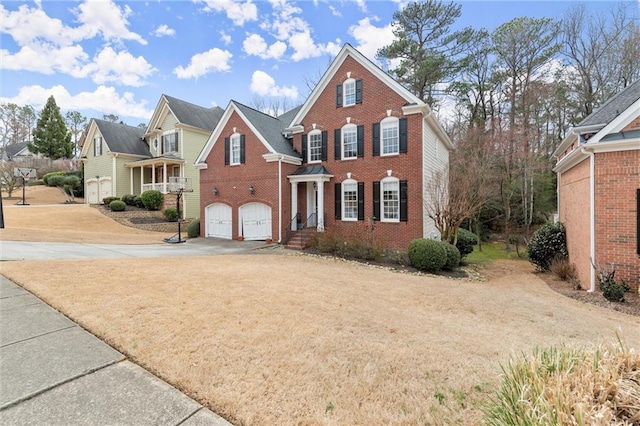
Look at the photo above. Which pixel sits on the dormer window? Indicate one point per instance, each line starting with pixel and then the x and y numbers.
pixel 349 93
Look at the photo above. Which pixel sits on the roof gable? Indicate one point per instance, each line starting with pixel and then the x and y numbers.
pixel 348 51
pixel 185 113
pixel 119 138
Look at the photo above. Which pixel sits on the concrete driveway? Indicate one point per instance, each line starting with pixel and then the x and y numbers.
pixel 25 250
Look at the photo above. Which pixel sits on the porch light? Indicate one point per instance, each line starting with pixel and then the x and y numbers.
pixel 252 190
pixel 215 191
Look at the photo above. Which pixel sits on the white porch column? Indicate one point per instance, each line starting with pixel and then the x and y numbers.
pixel 294 205
pixel 153 176
pixel 164 178
pixel 131 180
pixel 320 219
pixel 141 179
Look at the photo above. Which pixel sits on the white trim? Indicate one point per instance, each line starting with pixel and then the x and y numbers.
pixel 349 80
pixel 348 126
pixel 388 120
pixel 382 182
pixel 348 50
pixel 237 138
pixel 272 157
pixel 314 132
pixel 342 215
pixel 620 122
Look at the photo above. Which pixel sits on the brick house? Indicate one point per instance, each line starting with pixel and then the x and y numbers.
pixel 353 158
pixel 120 159
pixel 598 171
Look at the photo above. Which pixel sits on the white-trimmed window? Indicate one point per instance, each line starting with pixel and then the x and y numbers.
pixel 170 142
pixel 315 146
pixel 390 136
pixel 235 149
pixel 350 200
pixel 97 146
pixel 390 196
pixel 349 92
pixel 349 141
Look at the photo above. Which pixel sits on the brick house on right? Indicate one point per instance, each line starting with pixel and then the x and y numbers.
pixel 598 171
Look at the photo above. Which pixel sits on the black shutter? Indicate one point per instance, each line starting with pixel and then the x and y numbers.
pixel 358 91
pixel 403 134
pixel 403 200
pixel 242 149
pixel 338 200
pixel 360 200
pixel 376 139
pixel 376 200
pixel 324 145
pixel 337 152
pixel 339 95
pixel 226 151
pixel 304 148
pixel 360 141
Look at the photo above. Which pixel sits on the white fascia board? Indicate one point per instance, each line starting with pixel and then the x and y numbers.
pixel 431 120
pixel 155 117
pixel 89 136
pixel 309 178
pixel 573 158
pixel 295 129
pixel 570 138
pixel 614 146
pixel 273 157
pixel 254 130
pixel 201 166
pixel 619 123
pixel 348 50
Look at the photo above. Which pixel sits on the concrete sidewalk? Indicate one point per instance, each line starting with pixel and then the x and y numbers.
pixel 53 372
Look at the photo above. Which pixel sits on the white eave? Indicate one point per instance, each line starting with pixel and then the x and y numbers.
pixel 273 157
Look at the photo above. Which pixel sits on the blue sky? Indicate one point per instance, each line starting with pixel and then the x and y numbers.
pixel 118 57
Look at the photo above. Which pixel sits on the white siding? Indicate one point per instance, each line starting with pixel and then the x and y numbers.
pixel 435 156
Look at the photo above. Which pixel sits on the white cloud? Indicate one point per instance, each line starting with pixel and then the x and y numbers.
pixel 121 67
pixel 107 18
pixel 104 100
pixel 362 5
pixel 255 45
pixel 264 85
pixel 213 60
pixel 334 11
pixel 46 59
pixel 371 38
pixel 304 47
pixel 225 38
pixel 164 30
pixel 239 12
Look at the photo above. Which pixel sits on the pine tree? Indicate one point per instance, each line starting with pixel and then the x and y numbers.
pixel 50 137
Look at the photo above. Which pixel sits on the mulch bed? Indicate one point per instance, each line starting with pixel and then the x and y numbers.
pixel 630 306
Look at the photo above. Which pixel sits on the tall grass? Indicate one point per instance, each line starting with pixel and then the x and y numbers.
pixel 568 386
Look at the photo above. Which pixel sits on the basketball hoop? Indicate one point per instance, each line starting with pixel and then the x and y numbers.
pixel 25 174
pixel 178 186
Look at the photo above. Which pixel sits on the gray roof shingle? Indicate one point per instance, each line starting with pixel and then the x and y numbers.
pixel 13 149
pixel 194 115
pixel 271 128
pixel 122 138
pixel 613 107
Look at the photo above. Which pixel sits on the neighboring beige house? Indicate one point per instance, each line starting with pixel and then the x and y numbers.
pixel 599 189
pixel 132 160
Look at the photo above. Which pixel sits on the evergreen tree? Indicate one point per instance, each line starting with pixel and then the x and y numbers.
pixel 50 137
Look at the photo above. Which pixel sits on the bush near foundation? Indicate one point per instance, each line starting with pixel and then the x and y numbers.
pixel 427 255
pixel 171 214
pixel 117 206
pixel 193 230
pixel 549 242
pixel 453 255
pixel 152 199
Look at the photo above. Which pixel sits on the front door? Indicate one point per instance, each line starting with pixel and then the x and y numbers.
pixel 312 204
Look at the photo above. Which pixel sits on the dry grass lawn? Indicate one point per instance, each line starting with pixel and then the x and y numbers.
pixel 289 339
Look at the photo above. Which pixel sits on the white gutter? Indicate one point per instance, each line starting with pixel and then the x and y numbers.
pixel 592 217
pixel 280 199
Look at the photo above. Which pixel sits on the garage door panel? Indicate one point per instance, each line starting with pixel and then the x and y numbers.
pixel 218 221
pixel 256 221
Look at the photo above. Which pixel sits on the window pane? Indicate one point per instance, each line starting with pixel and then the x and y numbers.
pixel 235 150
pixel 315 147
pixel 170 142
pixel 350 200
pixel 349 143
pixel 390 200
pixel 350 93
pixel 390 138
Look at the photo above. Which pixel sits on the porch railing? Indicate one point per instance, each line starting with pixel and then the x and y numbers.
pixel 303 227
pixel 162 187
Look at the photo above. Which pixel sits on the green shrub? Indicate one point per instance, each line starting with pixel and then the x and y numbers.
pixel 129 199
pixel 453 255
pixel 107 200
pixel 193 230
pixel 35 182
pixel 46 177
pixel 117 206
pixel 427 255
pixel 466 241
pixel 151 199
pixel 171 214
pixel 612 290
pixel 137 201
pixel 549 242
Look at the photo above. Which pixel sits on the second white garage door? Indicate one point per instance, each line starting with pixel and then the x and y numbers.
pixel 256 221
pixel 218 218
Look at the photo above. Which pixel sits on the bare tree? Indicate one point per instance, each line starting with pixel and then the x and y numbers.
pixel 8 181
pixel 76 123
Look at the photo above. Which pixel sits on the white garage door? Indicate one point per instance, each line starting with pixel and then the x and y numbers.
pixel 218 218
pixel 256 221
pixel 104 189
pixel 91 193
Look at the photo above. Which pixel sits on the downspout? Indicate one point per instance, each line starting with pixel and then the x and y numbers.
pixel 592 216
pixel 280 199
